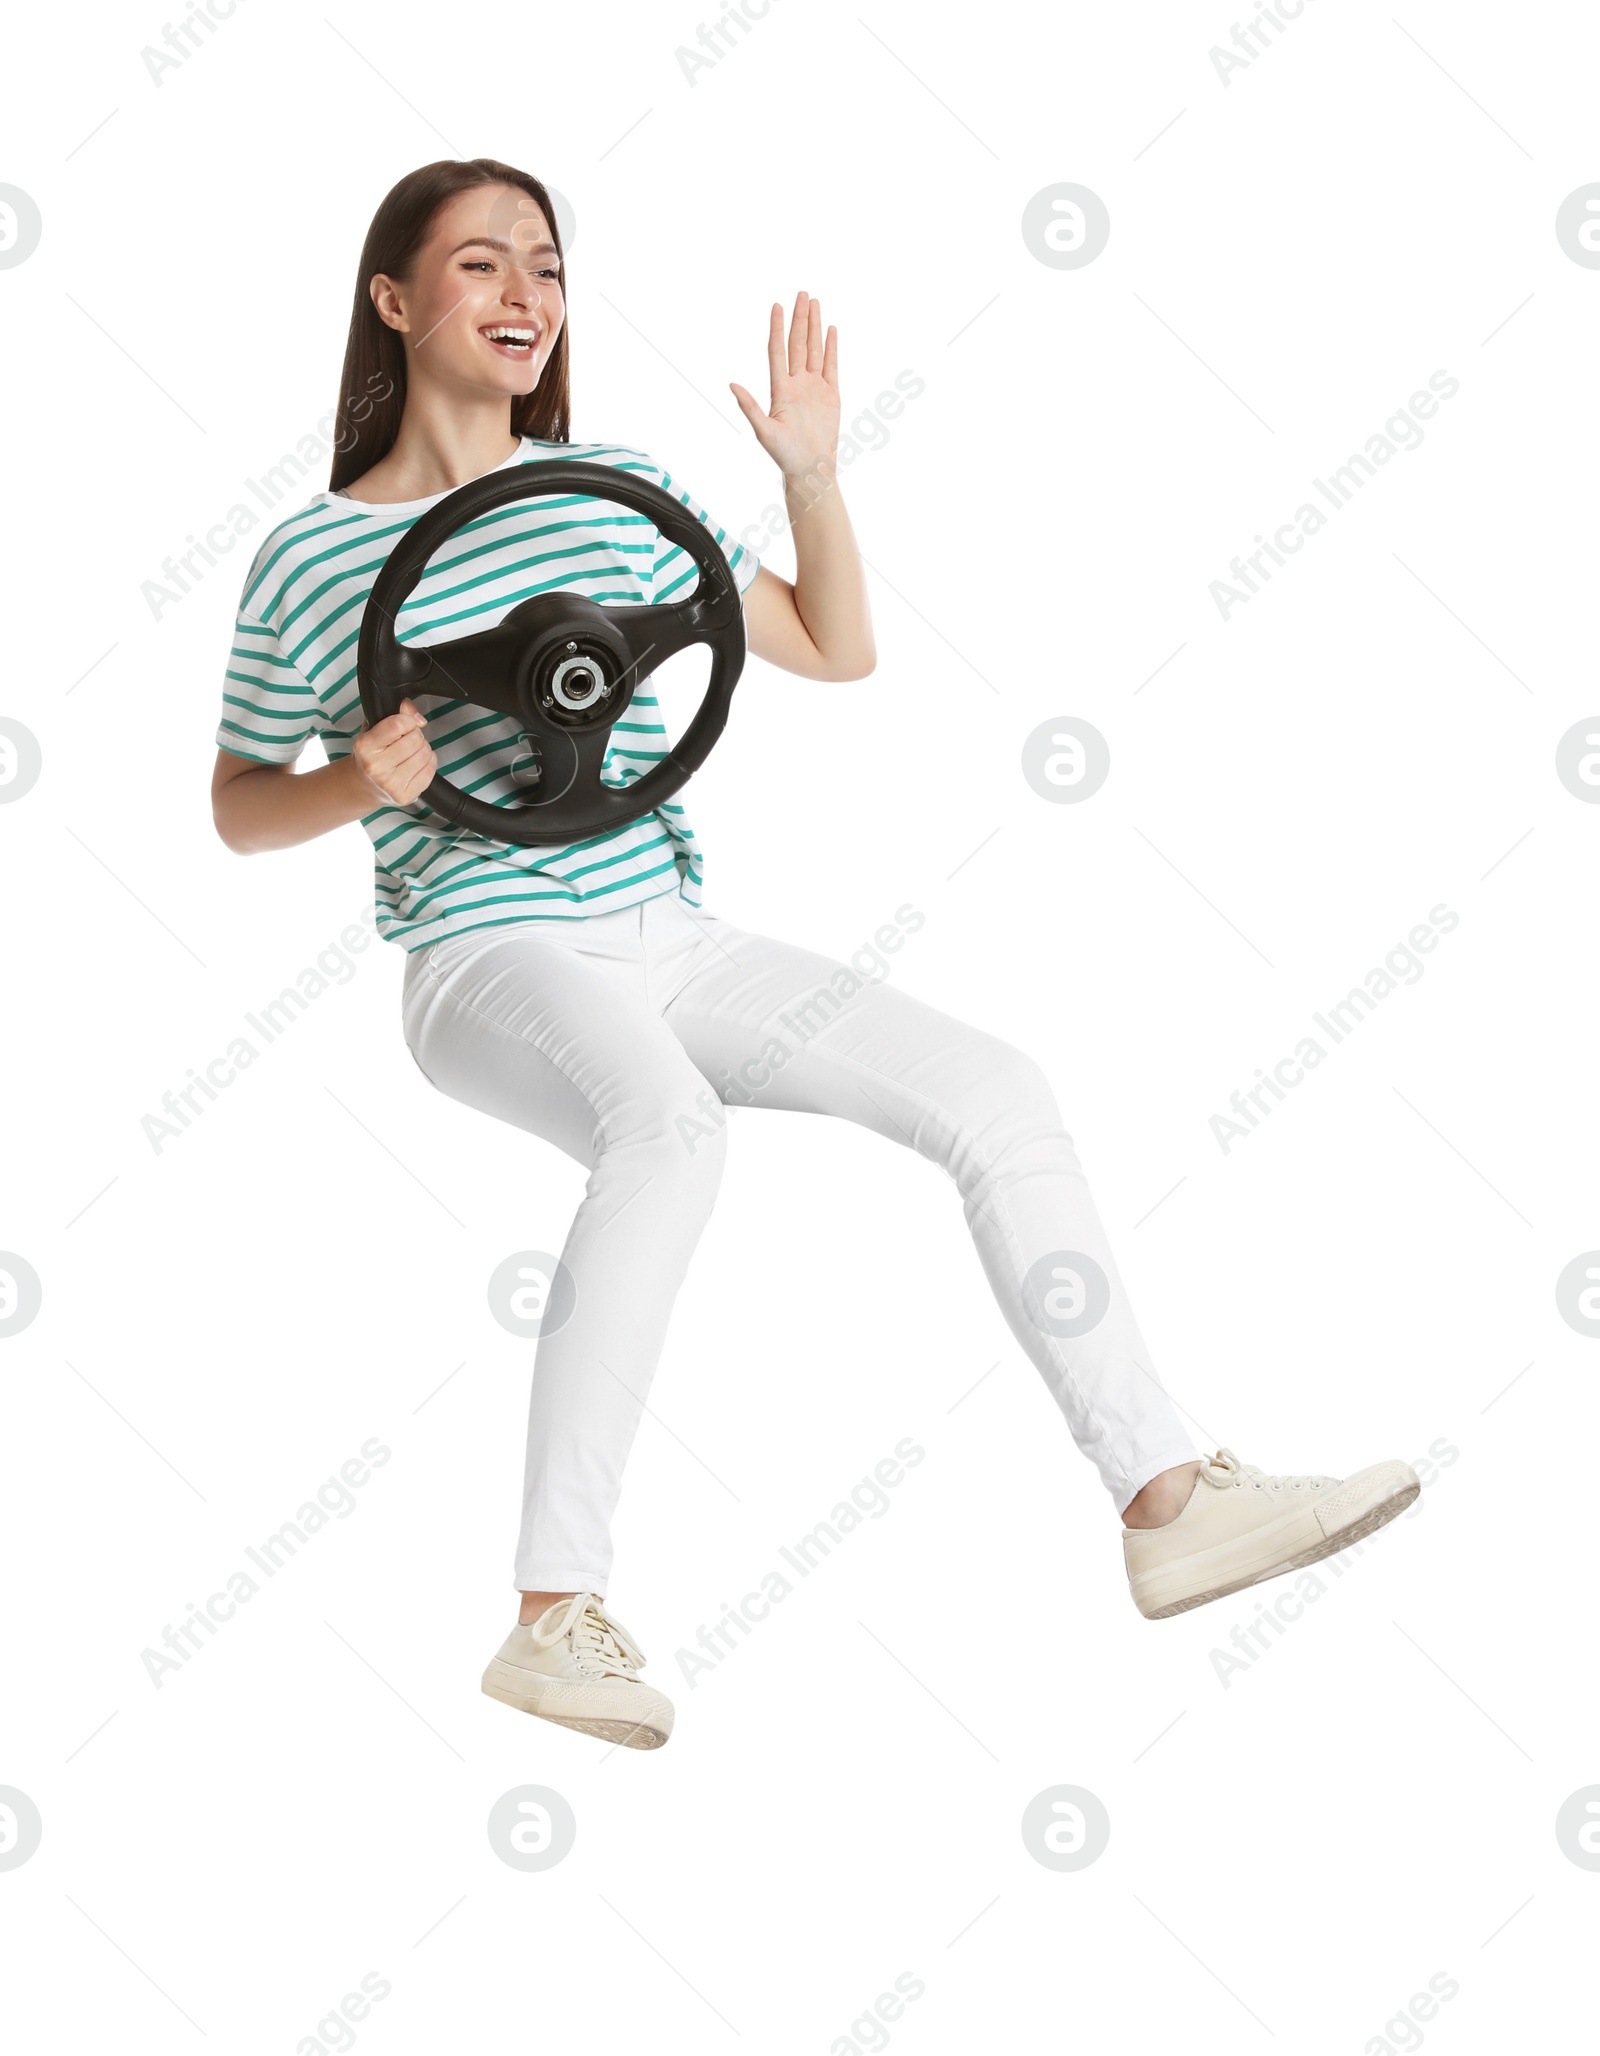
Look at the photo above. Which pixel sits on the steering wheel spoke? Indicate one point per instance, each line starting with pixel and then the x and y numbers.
pixel 653 634
pixel 480 668
pixel 589 746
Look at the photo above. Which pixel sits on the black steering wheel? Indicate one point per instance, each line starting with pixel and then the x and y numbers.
pixel 563 667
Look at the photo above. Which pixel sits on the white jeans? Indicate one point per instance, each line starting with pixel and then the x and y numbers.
pixel 619 1037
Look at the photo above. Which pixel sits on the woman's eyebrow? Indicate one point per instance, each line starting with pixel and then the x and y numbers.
pixel 505 249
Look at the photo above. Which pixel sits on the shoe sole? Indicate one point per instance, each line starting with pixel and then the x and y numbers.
pixel 574 1706
pixel 1252 1559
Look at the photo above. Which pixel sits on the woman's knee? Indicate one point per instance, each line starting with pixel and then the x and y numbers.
pixel 698 1145
pixel 1021 1106
pixel 680 1147
pixel 1019 1077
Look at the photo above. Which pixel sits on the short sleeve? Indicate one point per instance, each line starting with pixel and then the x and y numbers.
pixel 269 710
pixel 672 573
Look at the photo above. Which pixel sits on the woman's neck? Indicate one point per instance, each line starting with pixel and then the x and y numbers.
pixel 426 459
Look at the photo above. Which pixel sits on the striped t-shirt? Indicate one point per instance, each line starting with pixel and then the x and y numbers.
pixel 292 675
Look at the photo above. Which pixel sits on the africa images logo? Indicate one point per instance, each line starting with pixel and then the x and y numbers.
pixel 1402 965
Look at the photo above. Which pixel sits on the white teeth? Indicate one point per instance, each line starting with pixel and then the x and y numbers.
pixel 521 335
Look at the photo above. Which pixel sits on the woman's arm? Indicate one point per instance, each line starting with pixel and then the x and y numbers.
pixel 821 626
pixel 273 806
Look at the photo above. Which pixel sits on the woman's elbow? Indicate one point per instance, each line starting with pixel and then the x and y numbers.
pixel 228 834
pixel 233 823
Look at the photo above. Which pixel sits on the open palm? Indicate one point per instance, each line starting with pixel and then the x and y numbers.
pixel 801 428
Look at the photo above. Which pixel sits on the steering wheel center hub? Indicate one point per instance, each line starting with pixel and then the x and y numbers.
pixel 578 683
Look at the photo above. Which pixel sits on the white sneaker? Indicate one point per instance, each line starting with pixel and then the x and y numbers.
pixel 577 1666
pixel 1241 1526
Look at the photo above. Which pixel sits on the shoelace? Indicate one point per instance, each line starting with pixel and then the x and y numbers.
pixel 597 1639
pixel 1224 1470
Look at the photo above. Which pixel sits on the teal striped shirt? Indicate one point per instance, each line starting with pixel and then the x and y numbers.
pixel 292 676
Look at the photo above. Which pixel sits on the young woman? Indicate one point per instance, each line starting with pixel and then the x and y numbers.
pixel 583 994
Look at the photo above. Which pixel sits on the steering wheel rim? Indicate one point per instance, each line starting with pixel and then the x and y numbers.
pixel 564 667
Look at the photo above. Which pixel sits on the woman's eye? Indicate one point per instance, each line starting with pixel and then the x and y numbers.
pixel 475 263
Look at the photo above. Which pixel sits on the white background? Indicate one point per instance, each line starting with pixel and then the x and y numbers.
pixel 1296 1848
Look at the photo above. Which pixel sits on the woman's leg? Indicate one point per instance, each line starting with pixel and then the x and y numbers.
pixel 771 1025
pixel 551 1032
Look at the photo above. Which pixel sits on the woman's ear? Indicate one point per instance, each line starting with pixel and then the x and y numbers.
pixel 386 298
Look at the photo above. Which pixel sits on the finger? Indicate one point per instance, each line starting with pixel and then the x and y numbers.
pixel 393 726
pixel 407 783
pixel 830 358
pixel 814 337
pixel 412 753
pixel 775 363
pixel 391 761
pixel 749 406
pixel 797 334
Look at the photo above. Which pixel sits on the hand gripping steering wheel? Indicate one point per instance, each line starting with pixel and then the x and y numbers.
pixel 563 667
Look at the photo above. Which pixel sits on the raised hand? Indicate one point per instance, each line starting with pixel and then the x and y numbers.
pixel 800 431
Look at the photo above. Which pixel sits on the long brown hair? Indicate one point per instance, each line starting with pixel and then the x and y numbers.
pixel 372 390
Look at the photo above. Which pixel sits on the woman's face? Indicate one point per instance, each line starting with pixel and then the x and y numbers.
pixel 489 264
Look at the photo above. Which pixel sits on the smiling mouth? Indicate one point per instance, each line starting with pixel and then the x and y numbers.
pixel 512 339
